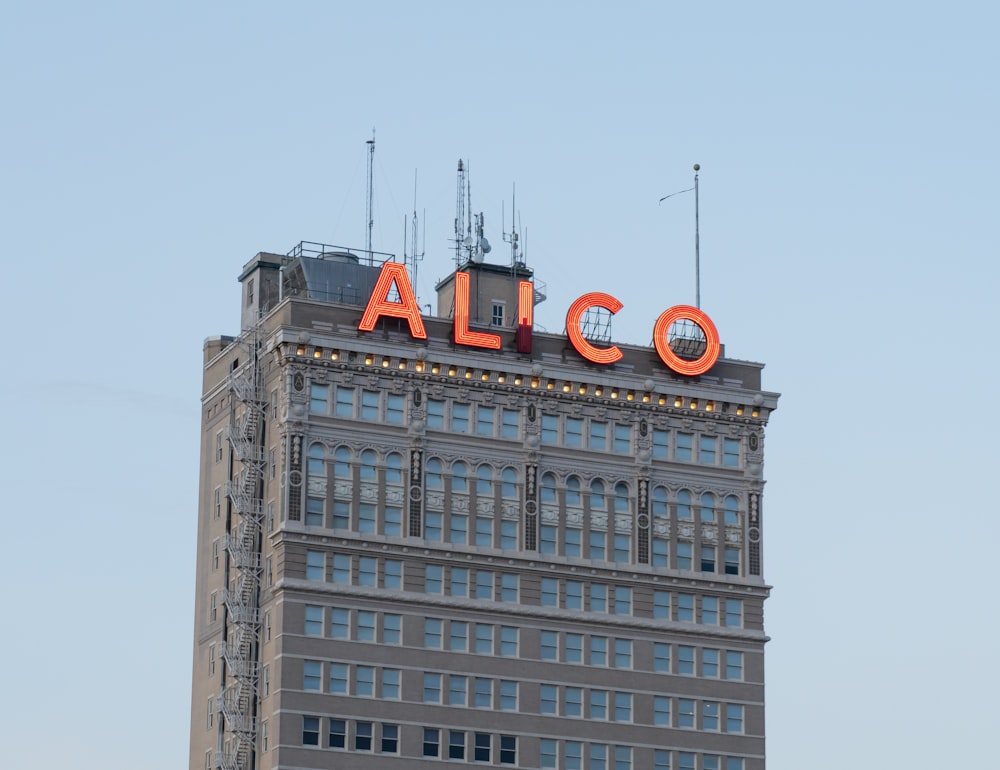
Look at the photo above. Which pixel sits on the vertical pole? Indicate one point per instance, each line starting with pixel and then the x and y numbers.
pixel 697 245
pixel 370 223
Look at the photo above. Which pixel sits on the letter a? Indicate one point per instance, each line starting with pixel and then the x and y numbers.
pixel 379 304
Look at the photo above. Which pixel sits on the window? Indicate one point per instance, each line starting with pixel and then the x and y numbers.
pixel 710 610
pixel 390 684
pixel 508 535
pixel 508 695
pixel 338 678
pixel 732 563
pixel 623 707
pixel 598 651
pixel 574 595
pixel 731 452
pixel 734 763
pixel 508 641
pixel 460 418
pixel 363 736
pixel 485 416
pixel 345 402
pixel 432 742
pixel 685 712
pixel 574 432
pixel 394 409
pixel 508 587
pixel 734 613
pixel 432 579
pixel 458 636
pixel 314 566
pixel 710 663
pixel 597 548
pixel 459 581
pixel 508 749
pixel 661 759
pixel 661 657
pixel 547 753
pixel 265 685
pixel 218 447
pixel 623 438
pixel 574 648
pixel 218 502
pixel 598 756
pixel 707 509
pixel 391 629
pixel 685 761
pixel 572 702
pixel 706 450
pixel 661 710
pixel 731 508
pixel 684 556
pixel 367 571
pixel 338 733
pixel 598 435
pixel 510 425
pixel 623 600
pixel 312 673
pixel 484 639
pixel 550 592
pixel 366 626
pixel 435 414
pixel 573 755
pixel 314 620
pixel 734 718
pixel 393 574
pixel 483 746
pixel 661 442
pixel 734 665
pixel 661 605
pixel 550 429
pixel 369 405
pixel 623 758
pixel 683 449
pixel 710 715
pixel 458 690
pixel 339 623
pixel 432 634
pixel 599 704
pixel 432 688
pixel 685 608
pixel 483 693
pixel 710 762
pixel 484 584
pixel 456 744
pixel 342 568
pixel 685 660
pixel 550 645
pixel 623 653
pixel 496 316
pixel 548 698
pixel 622 546
pixel 310 731
pixel 390 739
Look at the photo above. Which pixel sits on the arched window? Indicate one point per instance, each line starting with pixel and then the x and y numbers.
pixel 731 508
pixel 622 541
pixel 508 489
pixel 597 499
pixel 597 545
pixel 707 507
pixel 316 486
pixel 573 532
pixel 684 505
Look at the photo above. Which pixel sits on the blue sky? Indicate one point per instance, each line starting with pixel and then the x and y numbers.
pixel 848 197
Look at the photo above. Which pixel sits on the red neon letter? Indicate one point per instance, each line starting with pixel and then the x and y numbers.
pixel 573 316
pixel 661 339
pixel 379 305
pixel 525 315
pixel 462 334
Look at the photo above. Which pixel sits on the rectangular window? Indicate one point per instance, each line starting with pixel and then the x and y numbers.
pixel 389 687
pixel 732 566
pixel 432 742
pixel 338 733
pixel 710 663
pixel 547 753
pixel 458 690
pixel 550 645
pixel 731 452
pixel 393 574
pixel 460 418
pixel 432 688
pixel 661 443
pixel 314 620
pixel 550 592
pixel 623 758
pixel 338 678
pixel 572 702
pixel 734 718
pixel 685 761
pixel 508 749
pixel 435 414
pixel 574 648
pixel 510 426
pixel 574 595
pixel 572 540
pixel 623 600
pixel 485 417
pixel 369 405
pixel 394 409
pixel 685 660
pixel 734 763
pixel 314 565
pixel 508 695
pixel 574 432
pixel 312 674
pixel 623 439
pixel 734 613
pixel 684 556
pixel 599 704
pixel 683 449
pixel 218 502
pixel 573 755
pixel 366 518
pixel 342 568
pixel 661 711
pixel 706 450
pixel 508 535
pixel 345 402
pixel 432 634
pixel 390 739
pixel 598 757
pixel 661 605
pixel 598 435
pixel 623 653
pixel 218 447
pixel 391 629
pixel 339 623
pixel 314 511
pixel 341 514
pixel 548 699
pixel 318 397
pixel 710 610
pixel 509 638
pixel 310 731
pixel 456 744
pixel 622 548
pixel 548 539
pixel 432 579
pixel 708 558
pixel 661 759
pixel 623 707
pixel 685 608
pixel 685 712
pixel 484 639
pixel 710 715
pixel 597 549
pixel 661 657
pixel 459 581
pixel 710 762
pixel 483 693
pixel 734 665
pixel 508 587
pixel 364 681
pixel 483 747
pixel 458 528
pixel 458 636
pixel 366 626
pixel 484 584
pixel 496 316
pixel 598 651
pixel 367 571
pixel 550 429
pixel 598 597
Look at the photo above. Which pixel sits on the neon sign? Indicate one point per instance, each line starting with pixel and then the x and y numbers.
pixel 408 310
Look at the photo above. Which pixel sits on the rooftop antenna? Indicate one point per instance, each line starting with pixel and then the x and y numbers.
pixel 413 258
pixel 512 237
pixel 459 214
pixel 370 196
pixel 697 242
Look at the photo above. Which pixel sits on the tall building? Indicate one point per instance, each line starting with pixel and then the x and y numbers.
pixel 450 538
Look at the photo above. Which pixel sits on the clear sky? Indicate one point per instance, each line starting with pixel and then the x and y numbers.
pixel 848 238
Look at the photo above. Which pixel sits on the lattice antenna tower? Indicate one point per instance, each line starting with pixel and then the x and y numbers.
pixel 370 197
pixel 413 259
pixel 460 213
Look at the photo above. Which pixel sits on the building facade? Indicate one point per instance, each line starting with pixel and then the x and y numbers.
pixel 412 551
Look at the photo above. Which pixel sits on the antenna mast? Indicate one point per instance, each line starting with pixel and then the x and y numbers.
pixel 414 257
pixel 512 237
pixel 370 196
pixel 697 245
pixel 459 214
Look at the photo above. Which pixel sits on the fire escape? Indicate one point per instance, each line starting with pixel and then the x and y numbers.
pixel 238 700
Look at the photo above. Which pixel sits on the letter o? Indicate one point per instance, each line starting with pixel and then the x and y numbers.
pixel 661 339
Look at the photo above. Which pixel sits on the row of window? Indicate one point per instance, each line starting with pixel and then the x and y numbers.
pixel 571 755
pixel 489 585
pixel 372 406
pixel 356 735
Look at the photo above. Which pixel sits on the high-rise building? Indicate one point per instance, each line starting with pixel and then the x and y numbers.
pixel 427 539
